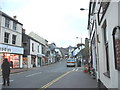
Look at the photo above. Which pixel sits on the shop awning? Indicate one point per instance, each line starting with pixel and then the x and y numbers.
pixel 40 55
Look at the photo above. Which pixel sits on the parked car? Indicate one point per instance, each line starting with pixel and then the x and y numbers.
pixel 70 62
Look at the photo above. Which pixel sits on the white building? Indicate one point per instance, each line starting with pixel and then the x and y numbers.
pixel 35 54
pixel 42 44
pixel 103 23
pixel 11 40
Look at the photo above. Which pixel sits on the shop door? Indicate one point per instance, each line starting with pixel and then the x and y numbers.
pixel 40 61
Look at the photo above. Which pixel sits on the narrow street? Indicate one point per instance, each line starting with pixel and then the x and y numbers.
pixel 52 76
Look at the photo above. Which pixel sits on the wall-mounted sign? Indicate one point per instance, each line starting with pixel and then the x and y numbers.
pixel 116 42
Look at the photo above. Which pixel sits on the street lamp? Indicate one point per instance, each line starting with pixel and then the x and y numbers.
pixel 82 9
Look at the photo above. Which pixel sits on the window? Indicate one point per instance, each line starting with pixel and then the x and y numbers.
pixel 7 22
pixel 25 44
pixel 43 50
pixel 14 25
pixel 102 10
pixel 38 49
pixel 107 73
pixel 13 39
pixel 6 37
pixel 32 47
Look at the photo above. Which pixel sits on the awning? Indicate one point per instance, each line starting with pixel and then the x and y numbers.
pixel 40 55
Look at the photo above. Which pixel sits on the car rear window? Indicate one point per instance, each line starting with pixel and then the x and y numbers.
pixel 71 60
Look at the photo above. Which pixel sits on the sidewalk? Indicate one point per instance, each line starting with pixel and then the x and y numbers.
pixel 17 70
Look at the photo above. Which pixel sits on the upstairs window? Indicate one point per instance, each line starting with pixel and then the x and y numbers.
pixel 102 10
pixel 7 22
pixel 6 37
pixel 38 49
pixel 32 47
pixel 14 25
pixel 13 39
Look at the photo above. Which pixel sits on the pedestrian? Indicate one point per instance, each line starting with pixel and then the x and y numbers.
pixel 11 64
pixel 6 71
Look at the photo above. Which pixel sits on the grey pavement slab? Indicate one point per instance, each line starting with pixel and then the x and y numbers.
pixel 74 79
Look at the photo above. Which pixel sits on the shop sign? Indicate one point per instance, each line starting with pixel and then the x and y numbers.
pixel 11 49
pixel 116 40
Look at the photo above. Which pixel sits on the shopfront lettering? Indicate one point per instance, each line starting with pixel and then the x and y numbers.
pixel 2 49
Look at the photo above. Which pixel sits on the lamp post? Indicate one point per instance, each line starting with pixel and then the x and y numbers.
pixel 82 9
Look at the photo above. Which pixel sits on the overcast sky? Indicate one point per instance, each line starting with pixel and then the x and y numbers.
pixel 58 21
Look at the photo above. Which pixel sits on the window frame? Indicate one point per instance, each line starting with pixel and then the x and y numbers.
pixel 101 11
pixel 14 25
pixel 14 39
pixel 6 37
pixel 38 48
pixel 32 47
pixel 7 22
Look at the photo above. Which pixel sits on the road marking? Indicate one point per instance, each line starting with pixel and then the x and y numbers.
pixel 55 80
pixel 33 74
pixel 74 69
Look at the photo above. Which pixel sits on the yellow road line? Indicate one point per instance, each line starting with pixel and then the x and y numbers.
pixel 55 80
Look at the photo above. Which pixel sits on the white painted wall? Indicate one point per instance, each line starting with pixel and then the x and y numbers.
pixel 35 47
pixel 111 17
pixel 36 44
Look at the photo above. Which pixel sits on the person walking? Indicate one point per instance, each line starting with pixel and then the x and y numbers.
pixel 6 71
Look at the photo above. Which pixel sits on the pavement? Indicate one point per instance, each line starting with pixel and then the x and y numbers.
pixel 17 70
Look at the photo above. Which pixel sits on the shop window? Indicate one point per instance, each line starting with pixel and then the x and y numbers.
pixel 14 25
pixel 6 37
pixel 116 43
pixel 7 22
pixel 13 39
pixel 105 31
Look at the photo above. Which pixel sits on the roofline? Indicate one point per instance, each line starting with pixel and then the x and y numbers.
pixel 33 39
pixel 5 15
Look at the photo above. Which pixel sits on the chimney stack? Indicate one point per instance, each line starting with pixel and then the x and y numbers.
pixel 15 17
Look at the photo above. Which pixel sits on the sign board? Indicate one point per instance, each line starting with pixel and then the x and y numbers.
pixel 11 49
pixel 116 40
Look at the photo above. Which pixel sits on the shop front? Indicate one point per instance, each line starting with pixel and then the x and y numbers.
pixel 13 54
pixel 40 59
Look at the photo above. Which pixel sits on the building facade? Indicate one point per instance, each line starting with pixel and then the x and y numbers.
pixel 33 52
pixel 11 40
pixel 103 26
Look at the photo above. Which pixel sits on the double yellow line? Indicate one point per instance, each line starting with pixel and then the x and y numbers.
pixel 55 80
